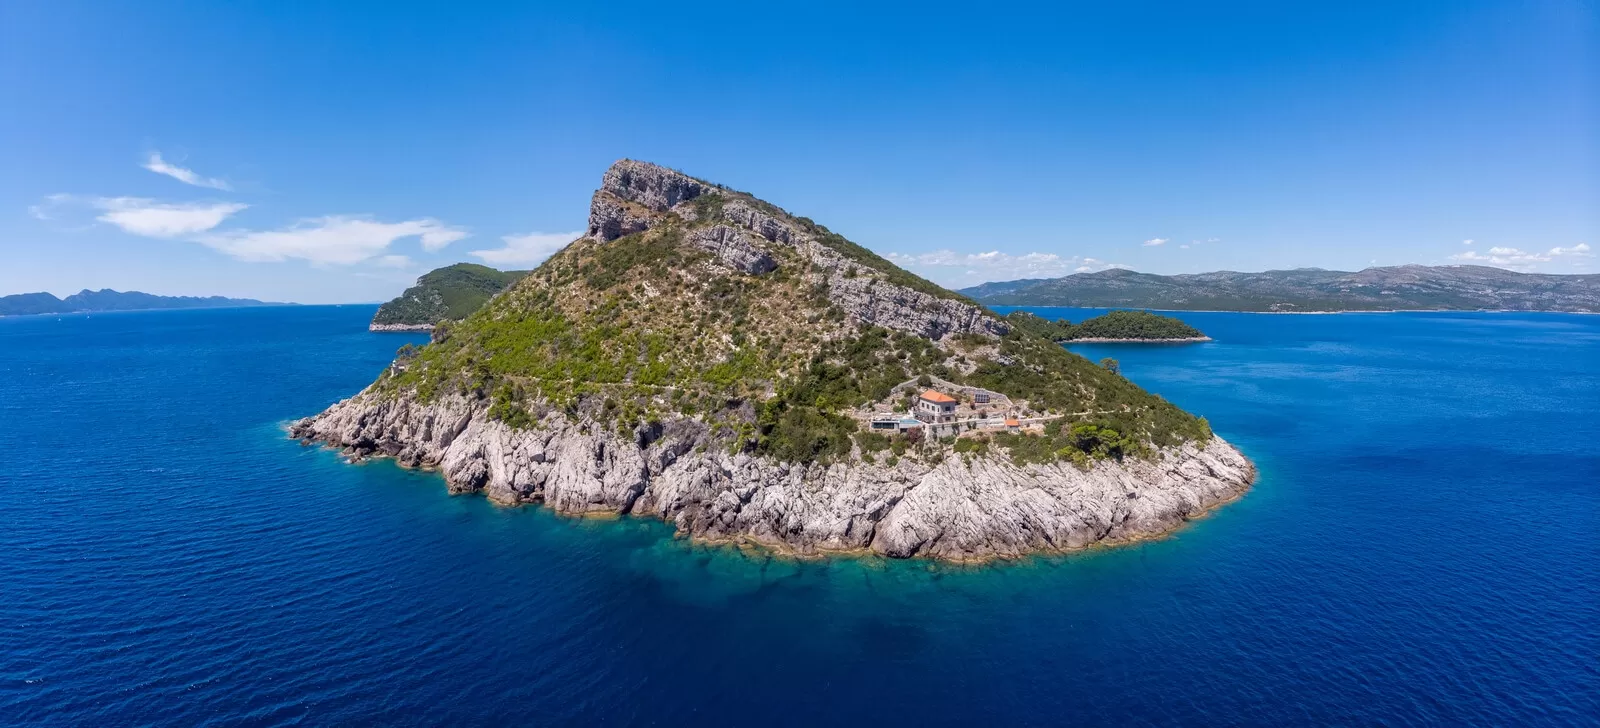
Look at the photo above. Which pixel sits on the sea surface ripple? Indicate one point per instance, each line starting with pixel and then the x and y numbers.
pixel 1423 548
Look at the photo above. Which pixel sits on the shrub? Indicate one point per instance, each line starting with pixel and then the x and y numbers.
pixel 871 442
pixel 971 444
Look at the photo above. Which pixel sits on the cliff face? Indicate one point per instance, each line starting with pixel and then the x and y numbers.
pixel 950 508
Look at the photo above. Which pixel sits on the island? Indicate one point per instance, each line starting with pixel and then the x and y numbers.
pixel 1307 290
pixel 1111 327
pixel 704 357
pixel 105 299
pixel 449 293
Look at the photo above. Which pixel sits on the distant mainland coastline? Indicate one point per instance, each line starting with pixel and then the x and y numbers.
pixel 87 301
pixel 1307 290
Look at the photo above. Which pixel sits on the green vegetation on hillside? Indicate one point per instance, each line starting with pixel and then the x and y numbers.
pixel 1134 325
pixel 1057 330
pixel 452 293
pixel 649 327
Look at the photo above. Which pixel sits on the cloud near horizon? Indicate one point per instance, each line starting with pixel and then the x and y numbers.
pixel 331 240
pixel 153 219
pixel 1152 242
pixel 948 267
pixel 187 176
pixel 136 215
pixel 529 249
pixel 1518 259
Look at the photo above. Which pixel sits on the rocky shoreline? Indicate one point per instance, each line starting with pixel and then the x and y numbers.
pixel 960 508
pixel 390 328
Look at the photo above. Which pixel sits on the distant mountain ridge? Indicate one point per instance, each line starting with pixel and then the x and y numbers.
pixel 1390 288
pixel 105 299
pixel 452 292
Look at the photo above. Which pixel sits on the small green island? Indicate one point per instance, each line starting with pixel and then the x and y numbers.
pixel 450 293
pixel 1110 327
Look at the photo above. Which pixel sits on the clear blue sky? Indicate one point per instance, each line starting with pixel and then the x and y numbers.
pixel 323 153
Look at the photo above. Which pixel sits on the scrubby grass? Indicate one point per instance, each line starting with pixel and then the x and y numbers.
pixel 647 327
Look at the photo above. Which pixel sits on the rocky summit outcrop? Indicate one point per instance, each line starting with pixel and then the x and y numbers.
pixel 955 508
pixel 636 196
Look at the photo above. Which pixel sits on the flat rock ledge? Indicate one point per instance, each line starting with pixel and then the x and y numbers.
pixel 959 509
pixel 399 327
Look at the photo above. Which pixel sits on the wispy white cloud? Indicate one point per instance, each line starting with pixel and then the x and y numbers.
pixel 1503 257
pixel 136 215
pixel 437 235
pixel 529 249
pixel 1091 265
pixel 1468 241
pixel 960 269
pixel 1518 259
pixel 994 262
pixel 187 176
pixel 1152 242
pixel 1185 246
pixel 334 239
pixel 50 207
pixel 331 240
pixel 153 219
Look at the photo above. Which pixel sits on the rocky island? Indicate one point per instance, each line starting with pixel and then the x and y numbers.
pixel 704 357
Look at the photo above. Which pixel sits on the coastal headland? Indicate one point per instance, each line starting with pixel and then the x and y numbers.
pixel 704 357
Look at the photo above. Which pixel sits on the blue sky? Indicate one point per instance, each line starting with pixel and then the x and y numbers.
pixel 332 153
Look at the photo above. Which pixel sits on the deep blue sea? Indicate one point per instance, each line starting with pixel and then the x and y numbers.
pixel 1423 548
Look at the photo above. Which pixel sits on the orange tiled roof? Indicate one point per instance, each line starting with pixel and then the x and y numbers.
pixel 1012 422
pixel 934 395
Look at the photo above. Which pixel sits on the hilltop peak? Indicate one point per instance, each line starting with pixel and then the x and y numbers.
pixel 651 185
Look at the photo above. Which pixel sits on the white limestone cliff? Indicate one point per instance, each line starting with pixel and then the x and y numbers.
pixel 943 506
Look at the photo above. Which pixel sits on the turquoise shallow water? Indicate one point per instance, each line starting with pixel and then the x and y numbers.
pixel 1423 548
